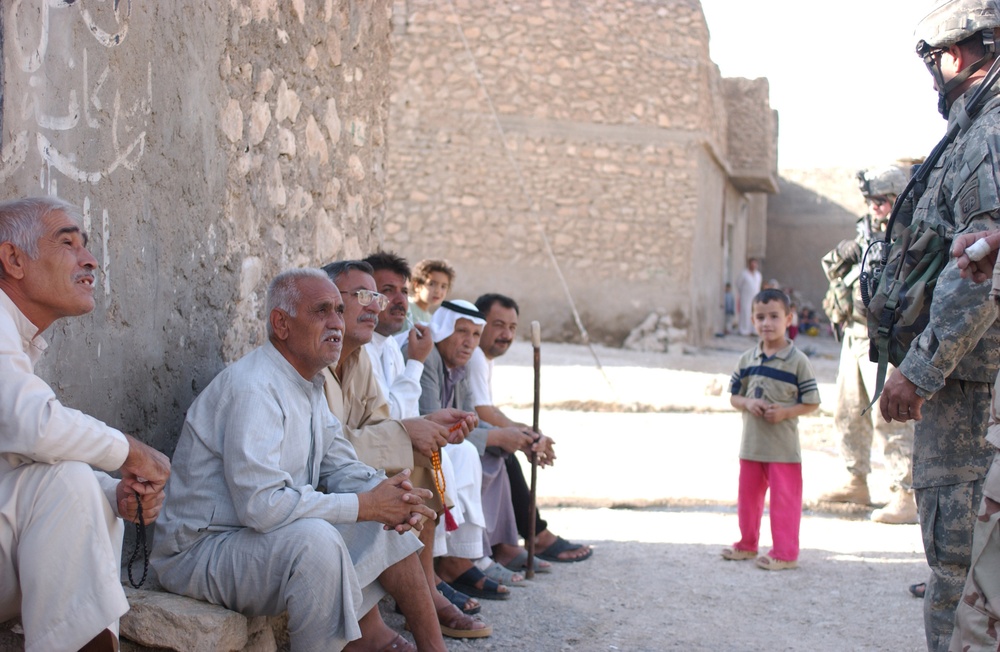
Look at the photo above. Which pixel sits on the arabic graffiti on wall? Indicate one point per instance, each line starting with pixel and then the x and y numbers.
pixel 73 107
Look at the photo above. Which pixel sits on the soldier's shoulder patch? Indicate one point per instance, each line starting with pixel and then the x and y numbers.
pixel 968 201
pixel 976 187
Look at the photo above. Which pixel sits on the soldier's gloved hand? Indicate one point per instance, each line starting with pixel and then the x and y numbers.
pixel 850 250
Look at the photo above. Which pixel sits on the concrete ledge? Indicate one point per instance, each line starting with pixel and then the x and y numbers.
pixel 164 620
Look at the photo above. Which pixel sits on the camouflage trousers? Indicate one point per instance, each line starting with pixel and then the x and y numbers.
pixel 950 460
pixel 978 612
pixel 855 387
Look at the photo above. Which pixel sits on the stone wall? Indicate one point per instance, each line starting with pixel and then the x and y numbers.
pixel 814 210
pixel 614 158
pixel 752 134
pixel 210 145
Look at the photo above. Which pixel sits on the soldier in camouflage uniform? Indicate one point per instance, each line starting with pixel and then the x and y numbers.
pixel 946 378
pixel 856 375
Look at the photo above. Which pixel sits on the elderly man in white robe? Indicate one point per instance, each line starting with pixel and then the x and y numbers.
pixel 60 525
pixel 271 510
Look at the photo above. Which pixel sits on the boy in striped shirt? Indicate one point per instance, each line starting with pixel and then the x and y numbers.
pixel 773 385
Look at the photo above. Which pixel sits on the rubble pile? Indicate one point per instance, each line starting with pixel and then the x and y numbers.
pixel 657 333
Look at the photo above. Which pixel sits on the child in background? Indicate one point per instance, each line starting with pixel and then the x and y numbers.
pixel 808 322
pixel 431 281
pixel 773 385
pixel 793 328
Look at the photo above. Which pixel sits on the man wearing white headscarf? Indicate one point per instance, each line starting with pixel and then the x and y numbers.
pixel 455 329
pixel 399 381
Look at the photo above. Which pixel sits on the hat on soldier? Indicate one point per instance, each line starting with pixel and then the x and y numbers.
pixel 882 182
pixel 953 21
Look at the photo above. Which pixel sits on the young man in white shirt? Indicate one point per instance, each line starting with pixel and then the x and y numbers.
pixel 502 314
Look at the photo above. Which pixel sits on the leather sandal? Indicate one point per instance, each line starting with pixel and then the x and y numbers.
pixel 455 624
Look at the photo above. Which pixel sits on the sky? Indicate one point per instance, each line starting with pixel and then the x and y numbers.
pixel 844 77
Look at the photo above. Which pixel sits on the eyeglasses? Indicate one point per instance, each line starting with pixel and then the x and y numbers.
pixel 365 298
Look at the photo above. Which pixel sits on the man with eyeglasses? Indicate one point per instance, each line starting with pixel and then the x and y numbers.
pixel 400 379
pixel 356 399
pixel 856 375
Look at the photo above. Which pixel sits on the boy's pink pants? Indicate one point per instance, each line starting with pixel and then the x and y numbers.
pixel 785 481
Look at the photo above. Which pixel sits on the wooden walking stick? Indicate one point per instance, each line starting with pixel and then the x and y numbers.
pixel 536 344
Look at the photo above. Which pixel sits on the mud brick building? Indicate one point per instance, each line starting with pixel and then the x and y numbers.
pixel 614 140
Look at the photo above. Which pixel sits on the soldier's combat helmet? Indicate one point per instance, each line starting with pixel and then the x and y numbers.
pixel 951 22
pixel 889 181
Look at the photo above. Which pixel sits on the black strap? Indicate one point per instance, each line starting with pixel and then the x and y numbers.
pixel 970 111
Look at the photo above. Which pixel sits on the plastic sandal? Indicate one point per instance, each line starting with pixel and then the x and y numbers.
pixel 767 562
pixel 735 554
pixel 466 583
pixel 561 545
pixel 520 563
pixel 504 575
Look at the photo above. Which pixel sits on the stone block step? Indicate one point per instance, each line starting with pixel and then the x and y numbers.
pixel 164 620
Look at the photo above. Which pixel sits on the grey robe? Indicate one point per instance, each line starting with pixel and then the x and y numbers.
pixel 261 506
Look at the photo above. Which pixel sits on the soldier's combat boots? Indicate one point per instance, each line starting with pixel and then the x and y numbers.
pixel 855 491
pixel 901 509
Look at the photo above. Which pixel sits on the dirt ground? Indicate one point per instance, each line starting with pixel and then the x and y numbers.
pixel 647 475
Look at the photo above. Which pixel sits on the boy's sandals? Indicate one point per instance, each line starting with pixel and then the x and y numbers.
pixel 767 562
pixel 735 554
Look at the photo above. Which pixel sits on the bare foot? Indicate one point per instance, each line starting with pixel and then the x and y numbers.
pixel 375 634
pixel 504 553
